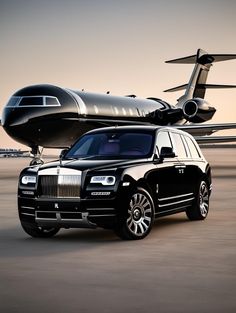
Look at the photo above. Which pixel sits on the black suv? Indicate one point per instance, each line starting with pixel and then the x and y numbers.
pixel 117 177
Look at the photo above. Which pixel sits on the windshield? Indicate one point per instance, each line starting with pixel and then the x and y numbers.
pixel 112 145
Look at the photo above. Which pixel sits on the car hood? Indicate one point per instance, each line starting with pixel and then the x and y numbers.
pixel 83 164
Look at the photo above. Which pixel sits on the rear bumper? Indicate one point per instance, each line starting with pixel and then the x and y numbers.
pixel 67 213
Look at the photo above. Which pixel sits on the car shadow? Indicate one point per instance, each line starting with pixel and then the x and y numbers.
pixel 15 243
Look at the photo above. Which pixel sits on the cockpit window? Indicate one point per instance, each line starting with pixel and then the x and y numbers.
pixel 33 101
pixel 51 101
pixel 110 145
pixel 13 101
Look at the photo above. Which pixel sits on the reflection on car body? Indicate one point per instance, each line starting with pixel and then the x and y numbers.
pixel 120 178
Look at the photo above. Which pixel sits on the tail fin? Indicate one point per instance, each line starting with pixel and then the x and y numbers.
pixel 196 87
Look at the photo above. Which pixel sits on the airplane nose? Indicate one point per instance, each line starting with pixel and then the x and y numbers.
pixel 11 118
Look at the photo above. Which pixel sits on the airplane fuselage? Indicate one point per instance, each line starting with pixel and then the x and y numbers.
pixel 54 117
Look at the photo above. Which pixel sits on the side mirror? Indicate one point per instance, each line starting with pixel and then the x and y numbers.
pixel 63 152
pixel 166 152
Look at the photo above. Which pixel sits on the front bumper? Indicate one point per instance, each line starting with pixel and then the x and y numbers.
pixel 67 213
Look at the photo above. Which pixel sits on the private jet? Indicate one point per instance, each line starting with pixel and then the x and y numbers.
pixel 47 116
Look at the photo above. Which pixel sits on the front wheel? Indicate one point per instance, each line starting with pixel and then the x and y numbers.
pixel 138 218
pixel 200 208
pixel 39 232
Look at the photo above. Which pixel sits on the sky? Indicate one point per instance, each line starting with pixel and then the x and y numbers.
pixel 115 45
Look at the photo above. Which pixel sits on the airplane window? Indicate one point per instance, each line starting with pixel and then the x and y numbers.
pixel 51 101
pixel 124 112
pixel 116 110
pixel 13 101
pixel 31 101
pixel 130 112
pixel 96 109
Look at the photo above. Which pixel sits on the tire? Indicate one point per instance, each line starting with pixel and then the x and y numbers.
pixel 200 208
pixel 137 219
pixel 39 232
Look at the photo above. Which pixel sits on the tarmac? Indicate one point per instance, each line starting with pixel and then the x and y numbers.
pixel 181 266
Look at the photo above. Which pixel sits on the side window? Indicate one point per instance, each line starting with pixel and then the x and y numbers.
pixel 179 147
pixel 193 150
pixel 163 140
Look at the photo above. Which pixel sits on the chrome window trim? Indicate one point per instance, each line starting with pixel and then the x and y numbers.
pixel 34 106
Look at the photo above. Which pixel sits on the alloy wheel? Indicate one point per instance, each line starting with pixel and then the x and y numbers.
pixel 139 214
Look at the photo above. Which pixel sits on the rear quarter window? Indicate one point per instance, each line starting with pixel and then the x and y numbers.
pixel 192 147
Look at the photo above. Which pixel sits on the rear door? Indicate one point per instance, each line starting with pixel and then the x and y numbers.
pixel 195 165
pixel 186 170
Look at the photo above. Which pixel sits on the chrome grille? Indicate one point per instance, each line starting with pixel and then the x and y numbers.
pixel 60 186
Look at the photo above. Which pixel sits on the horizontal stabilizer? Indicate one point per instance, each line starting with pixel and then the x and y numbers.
pixel 178 88
pixel 215 86
pixel 200 86
pixel 202 57
pixel 186 60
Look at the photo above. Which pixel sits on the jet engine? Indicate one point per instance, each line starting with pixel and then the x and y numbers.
pixel 198 110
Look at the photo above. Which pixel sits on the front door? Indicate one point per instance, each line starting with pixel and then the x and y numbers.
pixel 168 174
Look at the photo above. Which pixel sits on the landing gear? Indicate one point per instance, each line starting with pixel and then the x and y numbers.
pixel 36 155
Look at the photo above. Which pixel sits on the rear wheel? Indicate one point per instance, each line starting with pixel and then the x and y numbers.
pixel 138 219
pixel 39 232
pixel 200 208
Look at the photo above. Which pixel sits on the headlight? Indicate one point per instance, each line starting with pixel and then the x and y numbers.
pixel 104 180
pixel 28 180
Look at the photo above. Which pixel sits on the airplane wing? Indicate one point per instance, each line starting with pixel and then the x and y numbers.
pixel 215 139
pixel 201 132
pixel 205 129
pixel 193 129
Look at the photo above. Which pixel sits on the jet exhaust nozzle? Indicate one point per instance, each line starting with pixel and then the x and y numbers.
pixel 198 110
